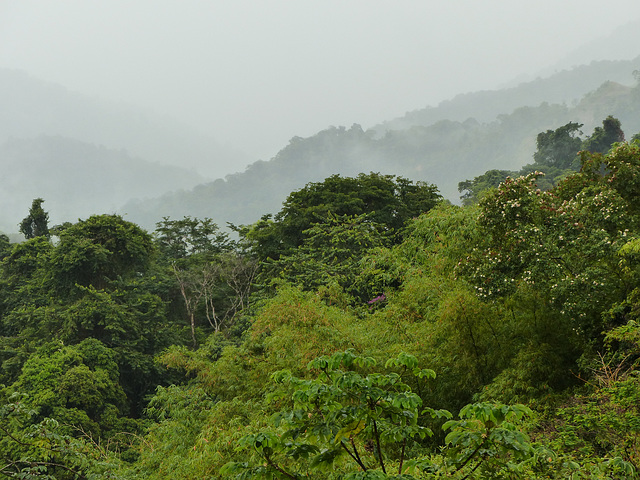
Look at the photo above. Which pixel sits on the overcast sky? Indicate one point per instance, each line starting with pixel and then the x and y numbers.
pixel 256 73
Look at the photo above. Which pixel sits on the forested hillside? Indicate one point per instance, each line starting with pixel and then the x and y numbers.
pixel 368 330
pixel 454 294
pixel 54 130
pixel 443 153
pixel 87 156
pixel 565 87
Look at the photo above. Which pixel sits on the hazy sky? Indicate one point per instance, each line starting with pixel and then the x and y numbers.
pixel 256 73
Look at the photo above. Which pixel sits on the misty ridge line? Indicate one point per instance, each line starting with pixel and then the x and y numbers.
pixel 416 146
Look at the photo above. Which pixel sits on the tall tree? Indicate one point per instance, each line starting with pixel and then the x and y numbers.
pixel 5 246
pixel 604 137
pixel 471 189
pixel 36 224
pixel 98 250
pixel 213 279
pixel 559 147
pixel 180 239
pixel 390 201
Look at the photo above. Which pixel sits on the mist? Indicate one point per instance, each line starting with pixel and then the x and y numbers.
pixel 252 75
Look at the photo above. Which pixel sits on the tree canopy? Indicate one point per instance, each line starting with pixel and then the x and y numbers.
pixel 369 330
pixel 556 156
pixel 388 200
pixel 36 224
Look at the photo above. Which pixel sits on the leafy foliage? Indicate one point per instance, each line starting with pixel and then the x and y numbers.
pixel 43 451
pixel 557 156
pixel 388 201
pixel 36 224
pixel 213 278
pixel 604 137
pixel 471 189
pixel 158 357
pixel 559 148
pixel 346 424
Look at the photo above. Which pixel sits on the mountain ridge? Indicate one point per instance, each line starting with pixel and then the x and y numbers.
pixel 443 152
pixel 564 87
pixel 33 107
pixel 459 139
pixel 81 179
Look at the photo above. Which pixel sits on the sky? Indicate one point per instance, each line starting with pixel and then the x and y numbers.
pixel 253 74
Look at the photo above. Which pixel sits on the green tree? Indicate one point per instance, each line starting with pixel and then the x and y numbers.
pixel 471 189
pixel 331 252
pixel 351 423
pixel 44 450
pixel 308 230
pixel 78 385
pixel 552 259
pixel 559 148
pixel 95 282
pixel 5 246
pixel 24 277
pixel 388 200
pixel 36 224
pixel 97 251
pixel 179 239
pixel 213 277
pixel 604 137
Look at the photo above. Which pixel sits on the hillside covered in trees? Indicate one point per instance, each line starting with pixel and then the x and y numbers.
pixel 368 330
pixel 88 157
pixel 443 145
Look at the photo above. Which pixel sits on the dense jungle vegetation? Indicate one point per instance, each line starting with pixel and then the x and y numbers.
pixel 368 330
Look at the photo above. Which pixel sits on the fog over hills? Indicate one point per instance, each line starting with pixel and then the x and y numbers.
pixel 255 74
pixel 562 87
pixel 97 171
pixel 85 155
pixel 77 179
pixel 432 145
pixel 619 44
pixel 32 107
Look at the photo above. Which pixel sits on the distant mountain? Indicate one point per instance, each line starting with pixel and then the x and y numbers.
pixel 623 43
pixel 444 153
pixel 31 107
pixel 83 157
pixel 562 87
pixel 77 179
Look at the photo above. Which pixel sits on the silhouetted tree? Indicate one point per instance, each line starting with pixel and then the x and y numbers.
pixel 471 189
pixel 560 147
pixel 36 224
pixel 603 137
